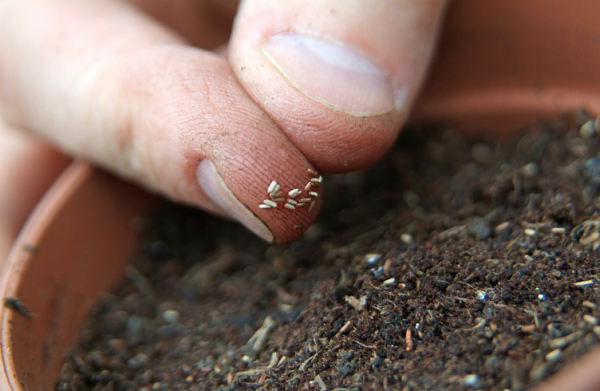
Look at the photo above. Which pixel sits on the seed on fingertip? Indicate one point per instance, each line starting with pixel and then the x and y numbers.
pixel 271 188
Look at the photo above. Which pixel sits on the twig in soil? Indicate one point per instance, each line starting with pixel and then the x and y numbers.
pixel 452 232
pixel 259 339
pixel 262 379
pixel 305 363
pixel 343 329
pixel 250 373
pixel 141 282
pixel 409 342
pixel 481 322
pixel 528 329
pixel 535 316
pixel 262 371
pixel 364 346
pixel 584 283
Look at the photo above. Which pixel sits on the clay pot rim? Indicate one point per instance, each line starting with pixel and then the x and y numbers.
pixel 42 216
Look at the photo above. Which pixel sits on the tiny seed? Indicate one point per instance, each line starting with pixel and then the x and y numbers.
pixel 314 194
pixel 298 226
pixel 293 202
pixel 263 206
pixel 270 203
pixel 312 173
pixel 312 205
pixel 308 186
pixel 315 181
pixel 271 188
pixel 290 206
pixel 300 205
pixel 294 193
pixel 305 200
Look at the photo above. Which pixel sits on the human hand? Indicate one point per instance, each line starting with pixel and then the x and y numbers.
pixel 307 85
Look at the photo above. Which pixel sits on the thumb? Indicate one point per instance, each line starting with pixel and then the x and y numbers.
pixel 337 76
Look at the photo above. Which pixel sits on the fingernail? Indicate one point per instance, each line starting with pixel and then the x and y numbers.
pixel 331 73
pixel 217 191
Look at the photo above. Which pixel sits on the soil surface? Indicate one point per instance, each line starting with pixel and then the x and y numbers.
pixel 451 265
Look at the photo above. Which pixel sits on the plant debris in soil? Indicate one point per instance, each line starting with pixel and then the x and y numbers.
pixel 453 264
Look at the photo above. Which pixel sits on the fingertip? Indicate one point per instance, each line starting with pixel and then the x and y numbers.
pixel 280 211
pixel 337 77
pixel 213 186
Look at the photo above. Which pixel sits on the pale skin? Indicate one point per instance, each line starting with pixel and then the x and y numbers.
pixel 158 92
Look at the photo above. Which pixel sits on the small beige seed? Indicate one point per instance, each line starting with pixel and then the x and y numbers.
pixel 312 173
pixel 263 206
pixel 270 203
pixel 290 206
pixel 313 193
pixel 293 202
pixel 271 187
pixel 294 193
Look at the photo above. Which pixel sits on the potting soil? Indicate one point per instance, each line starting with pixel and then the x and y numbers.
pixel 451 265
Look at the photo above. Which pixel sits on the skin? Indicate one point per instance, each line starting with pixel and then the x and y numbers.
pixel 149 89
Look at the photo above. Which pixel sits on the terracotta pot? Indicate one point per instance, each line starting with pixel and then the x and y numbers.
pixel 501 63
pixel 75 245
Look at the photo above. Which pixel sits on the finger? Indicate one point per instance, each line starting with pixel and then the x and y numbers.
pixel 28 167
pixel 104 82
pixel 337 76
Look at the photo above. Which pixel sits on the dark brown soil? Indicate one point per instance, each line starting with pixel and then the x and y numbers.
pixel 451 265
